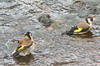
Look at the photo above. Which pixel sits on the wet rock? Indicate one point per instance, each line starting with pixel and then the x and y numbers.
pixel 20 16
pixel 6 56
pixel 83 9
pixel 34 11
pixel 79 4
pixel 87 11
pixel 6 0
pixel 7 5
pixel 1 19
pixel 5 29
pixel 68 2
pixel 92 2
pixel 96 59
pixel 9 62
pixel 45 19
pixel 64 63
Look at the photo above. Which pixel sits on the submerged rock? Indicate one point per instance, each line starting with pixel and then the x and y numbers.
pixel 45 19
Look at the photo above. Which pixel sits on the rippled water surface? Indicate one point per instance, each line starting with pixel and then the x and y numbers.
pixel 52 49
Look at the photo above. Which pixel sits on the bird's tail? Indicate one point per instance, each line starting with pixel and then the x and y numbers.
pixel 63 33
pixel 67 32
pixel 15 54
pixel 71 31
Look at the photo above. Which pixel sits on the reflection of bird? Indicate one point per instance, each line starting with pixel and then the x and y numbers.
pixel 89 34
pixel 81 28
pixel 26 45
pixel 24 59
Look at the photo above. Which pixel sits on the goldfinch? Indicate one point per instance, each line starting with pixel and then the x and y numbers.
pixel 81 28
pixel 25 47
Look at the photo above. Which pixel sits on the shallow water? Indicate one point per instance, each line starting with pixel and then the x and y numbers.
pixel 51 49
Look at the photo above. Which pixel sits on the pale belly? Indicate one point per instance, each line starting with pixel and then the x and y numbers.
pixel 27 51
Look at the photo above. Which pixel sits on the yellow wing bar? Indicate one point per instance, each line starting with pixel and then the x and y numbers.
pixel 78 30
pixel 21 48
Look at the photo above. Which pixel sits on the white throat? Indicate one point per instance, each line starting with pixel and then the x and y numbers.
pixel 90 23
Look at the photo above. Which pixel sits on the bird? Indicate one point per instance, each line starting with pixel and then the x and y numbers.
pixel 25 47
pixel 81 28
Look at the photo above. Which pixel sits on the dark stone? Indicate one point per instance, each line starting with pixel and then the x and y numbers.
pixel 45 19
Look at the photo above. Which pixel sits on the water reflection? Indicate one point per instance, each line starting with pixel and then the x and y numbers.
pixel 86 35
pixel 24 60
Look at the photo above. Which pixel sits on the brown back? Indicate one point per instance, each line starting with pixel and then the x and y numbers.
pixel 83 25
pixel 25 41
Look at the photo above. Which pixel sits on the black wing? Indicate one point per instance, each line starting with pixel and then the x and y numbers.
pixel 71 31
pixel 86 29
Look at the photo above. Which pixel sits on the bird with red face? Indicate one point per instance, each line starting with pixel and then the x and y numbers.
pixel 81 28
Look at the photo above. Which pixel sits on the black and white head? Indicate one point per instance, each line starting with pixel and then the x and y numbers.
pixel 89 20
pixel 29 35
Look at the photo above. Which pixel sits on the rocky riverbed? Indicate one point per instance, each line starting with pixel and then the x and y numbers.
pixel 52 49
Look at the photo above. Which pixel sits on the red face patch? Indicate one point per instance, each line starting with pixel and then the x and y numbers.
pixel 91 18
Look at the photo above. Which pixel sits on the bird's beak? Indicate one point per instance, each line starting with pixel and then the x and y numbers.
pixel 93 19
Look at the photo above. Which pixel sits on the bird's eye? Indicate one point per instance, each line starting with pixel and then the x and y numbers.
pixel 91 19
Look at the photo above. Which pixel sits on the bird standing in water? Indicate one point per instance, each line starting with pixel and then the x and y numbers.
pixel 81 28
pixel 25 47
